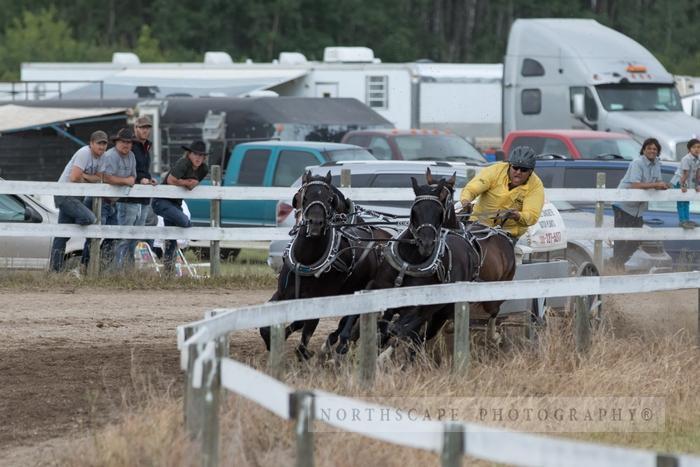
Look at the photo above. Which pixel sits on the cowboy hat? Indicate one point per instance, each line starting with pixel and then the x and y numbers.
pixel 198 147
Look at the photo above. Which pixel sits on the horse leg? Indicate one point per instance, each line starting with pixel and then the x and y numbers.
pixel 345 335
pixel 302 350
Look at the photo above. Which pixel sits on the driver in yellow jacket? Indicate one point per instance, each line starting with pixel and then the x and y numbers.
pixel 506 193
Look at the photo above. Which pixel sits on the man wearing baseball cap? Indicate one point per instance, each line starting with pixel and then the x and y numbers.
pixel 187 172
pixel 86 166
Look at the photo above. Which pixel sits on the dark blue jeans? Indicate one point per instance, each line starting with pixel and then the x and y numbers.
pixel 173 216
pixel 71 210
pixel 109 217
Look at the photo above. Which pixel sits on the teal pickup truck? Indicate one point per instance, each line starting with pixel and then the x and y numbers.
pixel 264 164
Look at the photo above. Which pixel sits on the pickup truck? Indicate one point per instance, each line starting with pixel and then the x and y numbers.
pixel 574 144
pixel 265 164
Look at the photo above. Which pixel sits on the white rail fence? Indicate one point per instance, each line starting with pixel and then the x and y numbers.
pixel 275 233
pixel 203 344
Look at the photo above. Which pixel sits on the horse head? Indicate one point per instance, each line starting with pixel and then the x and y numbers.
pixel 428 213
pixel 318 202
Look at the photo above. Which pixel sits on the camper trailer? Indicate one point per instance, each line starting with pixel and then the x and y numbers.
pixel 579 74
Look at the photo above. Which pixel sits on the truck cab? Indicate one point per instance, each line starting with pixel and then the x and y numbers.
pixel 579 74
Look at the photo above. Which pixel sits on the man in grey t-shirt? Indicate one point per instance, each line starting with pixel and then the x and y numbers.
pixel 119 170
pixel 86 166
pixel 642 173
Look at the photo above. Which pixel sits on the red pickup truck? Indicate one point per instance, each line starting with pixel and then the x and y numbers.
pixel 574 144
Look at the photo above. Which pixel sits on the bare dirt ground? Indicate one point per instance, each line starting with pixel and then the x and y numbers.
pixel 71 359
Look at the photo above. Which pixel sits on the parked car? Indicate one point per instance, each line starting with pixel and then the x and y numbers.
pixel 29 252
pixel 394 174
pixel 412 145
pixel 265 164
pixel 582 174
pixel 574 144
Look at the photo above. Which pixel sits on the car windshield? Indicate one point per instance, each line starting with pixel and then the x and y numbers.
pixel 639 97
pixel 439 148
pixel 352 154
pixel 592 148
pixel 670 206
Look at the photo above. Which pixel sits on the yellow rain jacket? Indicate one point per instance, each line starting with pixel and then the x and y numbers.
pixel 490 186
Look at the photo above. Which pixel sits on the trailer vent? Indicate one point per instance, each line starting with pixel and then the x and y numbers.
pixel 377 92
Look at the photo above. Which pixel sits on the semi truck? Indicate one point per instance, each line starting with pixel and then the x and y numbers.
pixel 579 74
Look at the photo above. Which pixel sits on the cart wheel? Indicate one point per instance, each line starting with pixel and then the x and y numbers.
pixel 594 303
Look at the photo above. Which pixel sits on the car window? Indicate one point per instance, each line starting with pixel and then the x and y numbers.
pixel 253 167
pixel 592 147
pixel 555 146
pixel 438 147
pixel 11 209
pixel 547 175
pixel 385 180
pixel 357 140
pixel 586 177
pixel 291 165
pixel 535 142
pixel 358 154
pixel 380 148
pixel 356 180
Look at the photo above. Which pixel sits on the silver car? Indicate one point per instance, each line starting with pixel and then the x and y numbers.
pixel 29 252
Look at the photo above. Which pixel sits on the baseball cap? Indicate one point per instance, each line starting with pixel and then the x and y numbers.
pixel 143 120
pixel 99 136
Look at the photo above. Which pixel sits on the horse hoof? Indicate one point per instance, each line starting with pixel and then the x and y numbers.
pixel 303 354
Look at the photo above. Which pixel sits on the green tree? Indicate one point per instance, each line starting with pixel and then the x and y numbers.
pixel 37 37
pixel 147 47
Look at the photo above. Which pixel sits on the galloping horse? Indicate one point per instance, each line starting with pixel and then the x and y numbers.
pixel 323 259
pixel 425 253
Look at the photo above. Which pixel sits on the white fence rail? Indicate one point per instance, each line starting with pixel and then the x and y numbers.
pixel 273 193
pixel 452 440
pixel 479 441
pixel 234 319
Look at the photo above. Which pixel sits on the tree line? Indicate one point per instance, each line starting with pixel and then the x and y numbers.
pixel 398 30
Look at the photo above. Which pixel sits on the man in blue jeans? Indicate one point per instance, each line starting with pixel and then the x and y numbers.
pixel 187 172
pixel 86 166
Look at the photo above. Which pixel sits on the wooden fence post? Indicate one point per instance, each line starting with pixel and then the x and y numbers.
pixel 368 348
pixel 302 408
pixel 202 403
pixel 94 263
pixel 461 345
pixel 452 445
pixel 582 325
pixel 275 364
pixel 345 178
pixel 215 246
pixel 599 207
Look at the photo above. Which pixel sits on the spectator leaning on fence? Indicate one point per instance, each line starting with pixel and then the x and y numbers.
pixel 643 173
pixel 119 170
pixel 187 172
pixel 86 166
pixel 687 176
pixel 134 211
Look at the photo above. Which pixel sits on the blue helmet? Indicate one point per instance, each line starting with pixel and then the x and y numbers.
pixel 523 156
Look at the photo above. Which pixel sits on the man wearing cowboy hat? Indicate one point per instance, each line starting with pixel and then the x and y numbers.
pixel 119 170
pixel 187 172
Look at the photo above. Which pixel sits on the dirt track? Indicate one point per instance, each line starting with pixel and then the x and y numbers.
pixel 70 359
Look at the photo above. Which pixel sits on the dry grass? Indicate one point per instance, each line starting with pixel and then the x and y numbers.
pixel 623 361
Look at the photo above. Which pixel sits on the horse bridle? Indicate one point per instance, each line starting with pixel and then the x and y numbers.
pixel 328 213
pixel 432 198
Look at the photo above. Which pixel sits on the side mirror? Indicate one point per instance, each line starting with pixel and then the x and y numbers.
pixel 695 110
pixel 500 155
pixel 579 107
pixel 30 215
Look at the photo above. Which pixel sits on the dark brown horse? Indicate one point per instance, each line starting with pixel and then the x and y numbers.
pixel 324 259
pixel 423 254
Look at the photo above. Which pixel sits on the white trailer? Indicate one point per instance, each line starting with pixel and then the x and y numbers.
pixel 462 98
